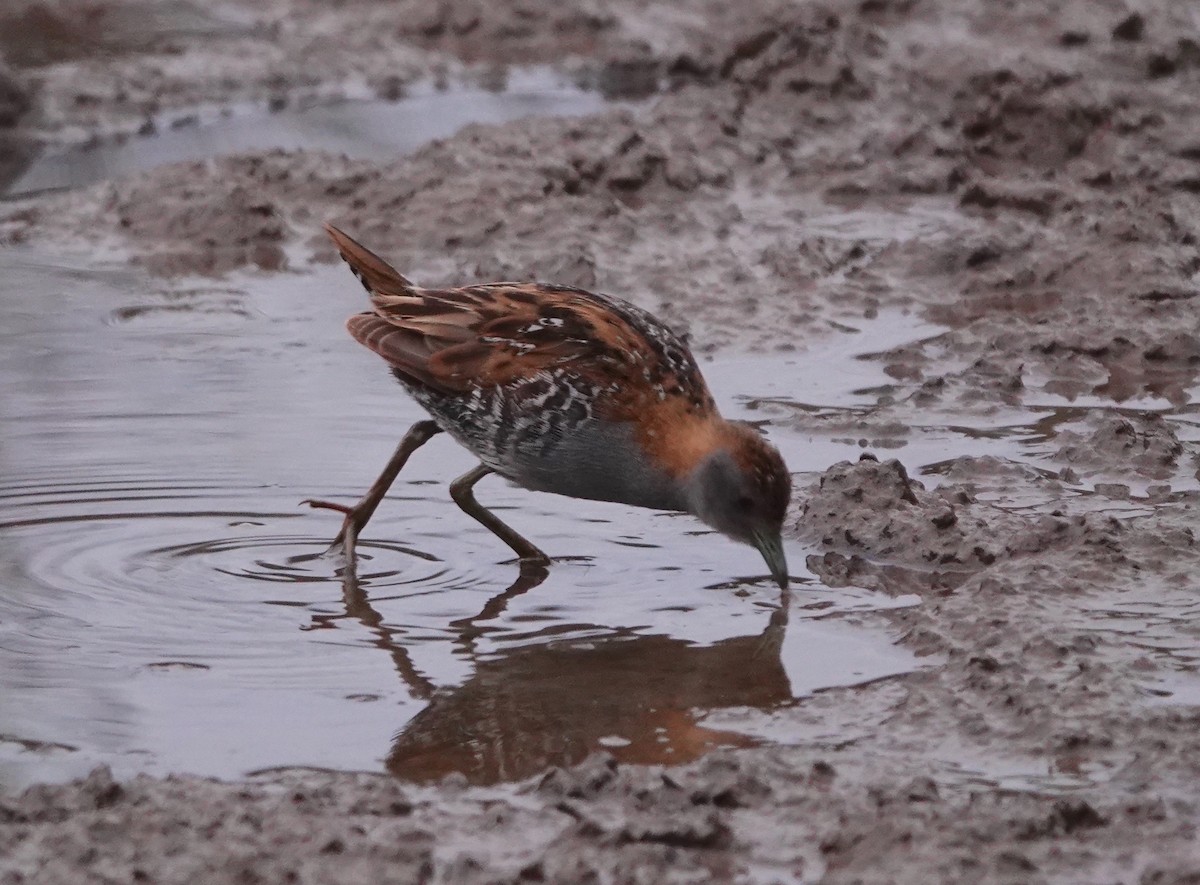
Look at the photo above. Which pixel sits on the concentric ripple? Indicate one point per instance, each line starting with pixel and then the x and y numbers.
pixel 184 559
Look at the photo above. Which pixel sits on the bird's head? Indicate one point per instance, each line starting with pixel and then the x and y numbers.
pixel 741 488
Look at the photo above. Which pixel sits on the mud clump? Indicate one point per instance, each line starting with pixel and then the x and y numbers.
pixel 647 826
pixel 252 227
pixel 879 512
pixel 173 840
pixel 1144 444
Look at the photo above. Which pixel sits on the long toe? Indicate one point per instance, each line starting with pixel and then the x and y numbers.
pixel 328 505
pixel 346 539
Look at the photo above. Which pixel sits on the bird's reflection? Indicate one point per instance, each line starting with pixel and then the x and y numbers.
pixel 555 702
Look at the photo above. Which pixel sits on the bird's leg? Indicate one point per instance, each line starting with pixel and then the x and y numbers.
pixel 358 515
pixel 460 491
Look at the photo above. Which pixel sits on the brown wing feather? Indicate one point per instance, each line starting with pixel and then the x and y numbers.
pixel 403 351
pixel 494 334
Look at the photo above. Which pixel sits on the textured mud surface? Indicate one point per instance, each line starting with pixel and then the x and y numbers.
pixel 1024 177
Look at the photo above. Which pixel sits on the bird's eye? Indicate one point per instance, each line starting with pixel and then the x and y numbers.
pixel 745 503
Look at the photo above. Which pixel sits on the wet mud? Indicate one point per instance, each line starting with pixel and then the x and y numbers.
pixel 945 253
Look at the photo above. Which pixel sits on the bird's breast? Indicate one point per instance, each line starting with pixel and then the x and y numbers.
pixel 601 461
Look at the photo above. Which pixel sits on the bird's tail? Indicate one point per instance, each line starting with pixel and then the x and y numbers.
pixel 376 275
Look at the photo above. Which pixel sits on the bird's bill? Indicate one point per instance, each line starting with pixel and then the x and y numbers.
pixel 771 548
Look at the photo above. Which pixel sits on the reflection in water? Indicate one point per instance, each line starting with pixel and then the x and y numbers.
pixel 553 703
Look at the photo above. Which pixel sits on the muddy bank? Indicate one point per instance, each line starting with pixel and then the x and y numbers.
pixel 1024 181
pixel 769 817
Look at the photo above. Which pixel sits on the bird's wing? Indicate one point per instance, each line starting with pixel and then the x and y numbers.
pixel 453 340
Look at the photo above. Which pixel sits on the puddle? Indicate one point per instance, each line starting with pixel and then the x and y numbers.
pixel 155 617
pixel 160 614
pixel 363 128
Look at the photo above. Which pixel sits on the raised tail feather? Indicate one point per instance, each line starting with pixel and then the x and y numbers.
pixel 376 275
pixel 407 350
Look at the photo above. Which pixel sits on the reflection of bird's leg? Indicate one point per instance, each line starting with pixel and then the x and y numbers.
pixel 469 629
pixel 358 606
pixel 464 497
pixel 360 514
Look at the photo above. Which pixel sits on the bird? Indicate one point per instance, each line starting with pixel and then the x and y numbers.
pixel 562 390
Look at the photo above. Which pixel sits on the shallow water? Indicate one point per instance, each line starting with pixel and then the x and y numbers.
pixel 158 614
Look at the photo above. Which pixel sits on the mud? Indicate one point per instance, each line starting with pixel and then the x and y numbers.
pixel 1024 179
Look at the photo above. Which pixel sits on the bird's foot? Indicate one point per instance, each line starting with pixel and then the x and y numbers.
pixel 531 564
pixel 535 558
pixel 328 505
pixel 346 541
